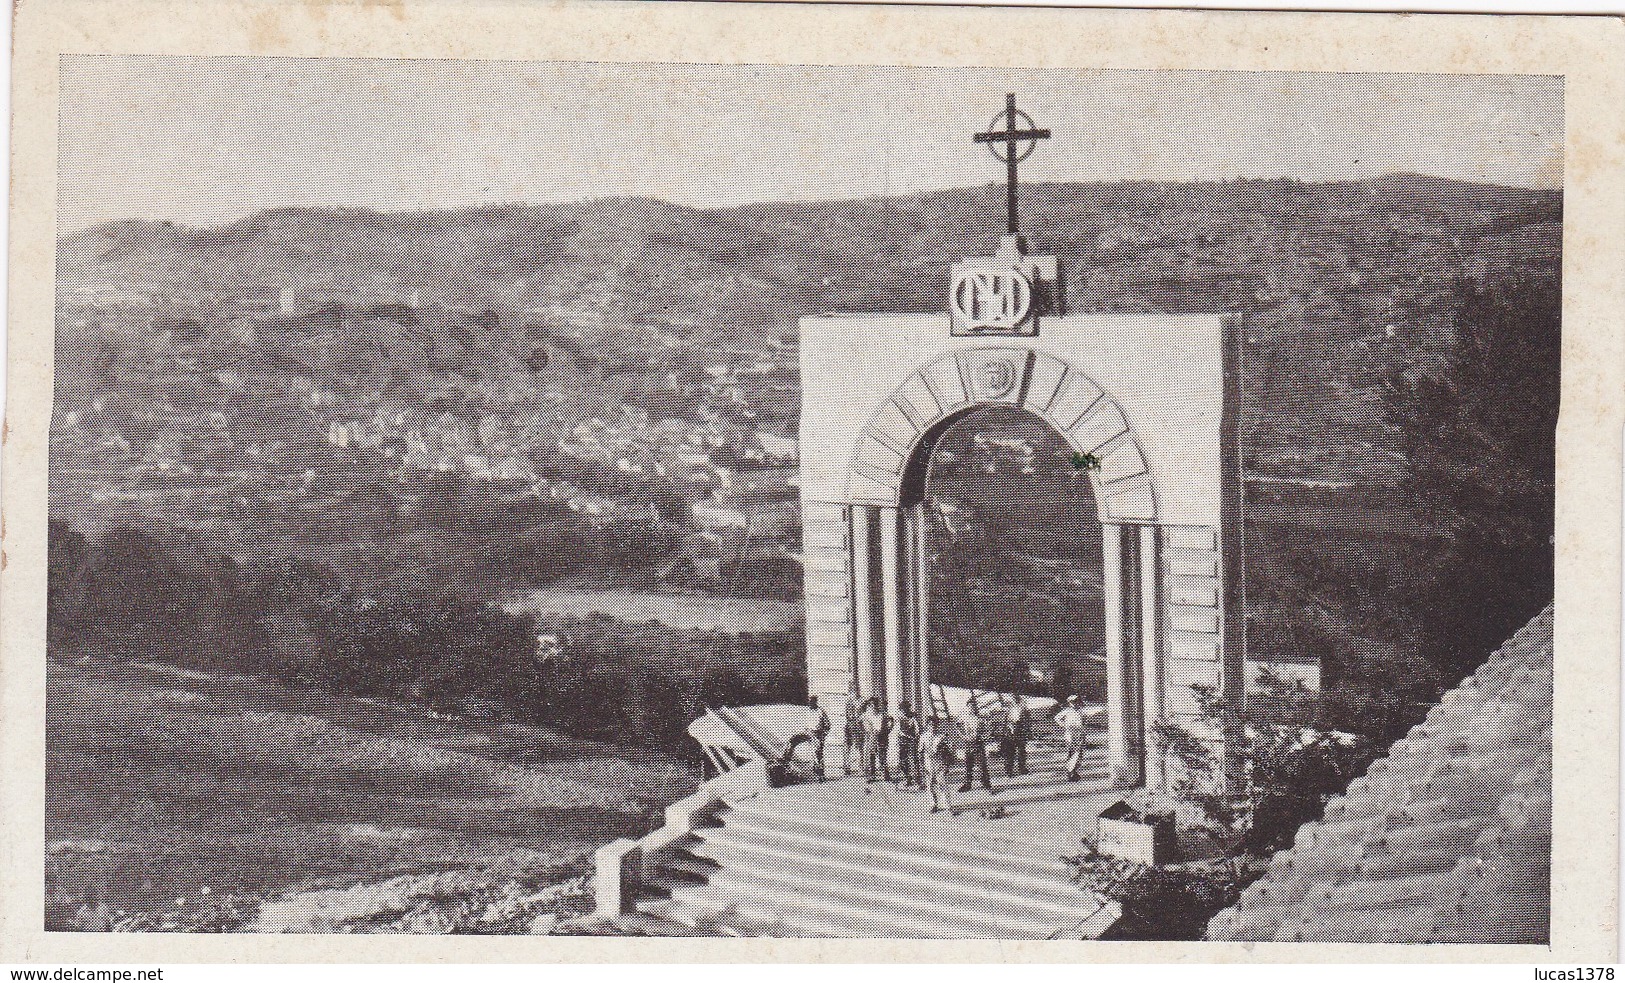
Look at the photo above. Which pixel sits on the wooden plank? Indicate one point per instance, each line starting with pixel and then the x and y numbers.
pixel 823 526
pixel 828 583
pixel 826 560
pixel 1189 563
pixel 828 609
pixel 830 634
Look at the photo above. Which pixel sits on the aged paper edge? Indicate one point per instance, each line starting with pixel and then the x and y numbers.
pixel 1583 50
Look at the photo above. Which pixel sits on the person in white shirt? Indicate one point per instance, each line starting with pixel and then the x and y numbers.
pixel 1013 737
pixel 936 753
pixel 818 728
pixel 1070 720
pixel 876 730
pixel 975 734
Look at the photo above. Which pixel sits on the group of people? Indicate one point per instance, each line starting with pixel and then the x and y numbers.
pixel 929 746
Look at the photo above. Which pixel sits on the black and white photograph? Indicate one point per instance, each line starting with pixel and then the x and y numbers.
pixel 814 501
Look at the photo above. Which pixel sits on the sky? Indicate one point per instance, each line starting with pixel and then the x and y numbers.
pixel 206 141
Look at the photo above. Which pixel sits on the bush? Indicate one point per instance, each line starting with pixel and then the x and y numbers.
pixel 1171 902
pixel 1289 768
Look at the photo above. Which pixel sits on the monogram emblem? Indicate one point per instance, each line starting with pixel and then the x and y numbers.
pixel 991 299
pixel 996 379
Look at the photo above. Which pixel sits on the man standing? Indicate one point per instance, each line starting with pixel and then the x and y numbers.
pixel 975 730
pixel 1021 730
pixel 908 748
pixel 876 729
pixel 936 757
pixel 1070 720
pixel 820 733
pixel 854 733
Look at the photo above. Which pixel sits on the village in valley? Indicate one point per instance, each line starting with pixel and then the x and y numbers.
pixel 482 537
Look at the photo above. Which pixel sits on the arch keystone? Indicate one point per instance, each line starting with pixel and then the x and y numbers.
pixel 995 375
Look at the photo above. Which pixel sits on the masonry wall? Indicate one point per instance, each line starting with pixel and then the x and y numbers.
pixel 1165 372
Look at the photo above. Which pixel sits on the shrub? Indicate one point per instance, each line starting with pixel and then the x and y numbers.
pixel 1288 768
pixel 1171 902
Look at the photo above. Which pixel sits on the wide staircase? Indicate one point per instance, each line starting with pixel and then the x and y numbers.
pixel 850 859
pixel 796 862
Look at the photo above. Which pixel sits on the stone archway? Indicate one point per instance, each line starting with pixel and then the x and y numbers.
pixel 886 487
pixel 1166 486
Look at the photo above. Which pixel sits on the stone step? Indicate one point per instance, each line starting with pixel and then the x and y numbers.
pixel 707 914
pixel 985 890
pixel 1087 786
pixel 714 910
pixel 881 832
pixel 1052 884
pixel 812 906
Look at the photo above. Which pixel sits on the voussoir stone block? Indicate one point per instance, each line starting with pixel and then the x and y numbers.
pixel 916 396
pixel 894 426
pixel 1076 395
pixel 1122 459
pixel 1131 501
pixel 1043 382
pixel 876 455
pixel 1101 425
pixel 866 489
pixel 946 383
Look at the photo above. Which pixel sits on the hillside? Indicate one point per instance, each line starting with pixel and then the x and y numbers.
pixel 1337 281
pixel 335 435
pixel 184 801
pixel 604 394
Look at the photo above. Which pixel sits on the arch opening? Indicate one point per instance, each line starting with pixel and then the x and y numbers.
pixel 1012 557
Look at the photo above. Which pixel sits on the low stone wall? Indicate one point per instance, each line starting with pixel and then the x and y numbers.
pixel 621 865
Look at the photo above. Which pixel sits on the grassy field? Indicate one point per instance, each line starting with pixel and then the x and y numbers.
pixel 190 801
pixel 686 612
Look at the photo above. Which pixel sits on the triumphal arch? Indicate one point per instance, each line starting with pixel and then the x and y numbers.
pixel 1148 402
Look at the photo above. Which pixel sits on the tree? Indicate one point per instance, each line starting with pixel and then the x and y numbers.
pixel 1479 431
pixel 68 552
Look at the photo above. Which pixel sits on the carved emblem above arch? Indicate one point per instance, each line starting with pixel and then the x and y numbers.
pixel 887 464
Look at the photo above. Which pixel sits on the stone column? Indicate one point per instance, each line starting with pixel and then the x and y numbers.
pixel 1151 651
pixel 891 606
pixel 867 678
pixel 891 613
pixel 1123 770
pixel 922 581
